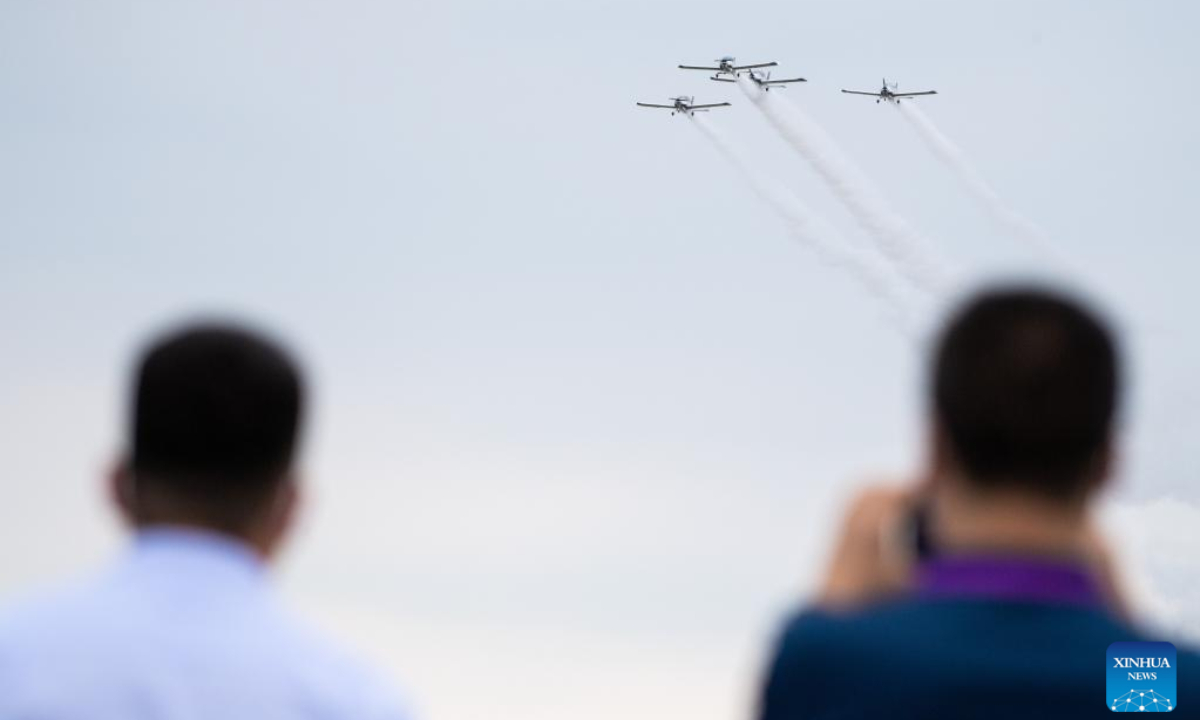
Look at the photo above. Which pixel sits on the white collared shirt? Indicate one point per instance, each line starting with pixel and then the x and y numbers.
pixel 185 627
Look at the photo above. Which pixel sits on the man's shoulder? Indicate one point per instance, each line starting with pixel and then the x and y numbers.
pixel 903 653
pixel 905 634
pixel 34 615
pixel 814 626
pixel 100 629
pixel 914 635
pixel 916 617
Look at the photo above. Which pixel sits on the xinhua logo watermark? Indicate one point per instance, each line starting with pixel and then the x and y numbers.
pixel 1141 677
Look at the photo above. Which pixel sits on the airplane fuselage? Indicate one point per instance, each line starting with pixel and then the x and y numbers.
pixel 726 68
pixel 762 83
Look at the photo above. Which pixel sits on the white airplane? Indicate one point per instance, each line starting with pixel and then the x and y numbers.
pixel 725 66
pixel 685 105
pixel 763 80
pixel 888 93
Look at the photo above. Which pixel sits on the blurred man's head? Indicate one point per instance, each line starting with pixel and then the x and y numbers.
pixel 213 430
pixel 1025 392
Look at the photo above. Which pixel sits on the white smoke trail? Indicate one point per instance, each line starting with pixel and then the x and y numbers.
pixel 899 241
pixel 950 154
pixel 876 276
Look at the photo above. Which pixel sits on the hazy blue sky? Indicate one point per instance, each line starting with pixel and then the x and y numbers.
pixel 586 412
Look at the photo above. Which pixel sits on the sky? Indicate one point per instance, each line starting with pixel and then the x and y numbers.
pixel 586 411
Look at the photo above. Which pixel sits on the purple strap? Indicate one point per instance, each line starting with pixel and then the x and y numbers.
pixel 999 578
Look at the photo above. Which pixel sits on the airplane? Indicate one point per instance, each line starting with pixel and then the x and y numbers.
pixel 725 66
pixel 684 104
pixel 763 80
pixel 888 93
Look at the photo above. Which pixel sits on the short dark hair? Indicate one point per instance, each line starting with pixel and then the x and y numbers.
pixel 216 413
pixel 1026 388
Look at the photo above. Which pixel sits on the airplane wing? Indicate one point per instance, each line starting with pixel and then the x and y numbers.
pixel 721 79
pixel 751 67
pixel 860 92
pixel 781 82
pixel 665 107
pixel 698 67
pixel 926 92
pixel 705 107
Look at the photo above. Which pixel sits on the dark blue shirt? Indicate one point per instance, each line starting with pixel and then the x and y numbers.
pixel 949 654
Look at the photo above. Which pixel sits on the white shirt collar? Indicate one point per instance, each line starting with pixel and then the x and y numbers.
pixel 187 551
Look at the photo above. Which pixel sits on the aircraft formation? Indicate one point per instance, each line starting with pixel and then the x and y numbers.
pixel 727 70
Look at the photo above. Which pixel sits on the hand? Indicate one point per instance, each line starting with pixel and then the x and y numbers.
pixel 872 560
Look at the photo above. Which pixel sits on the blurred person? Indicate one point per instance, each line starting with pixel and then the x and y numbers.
pixel 184 624
pixel 983 590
